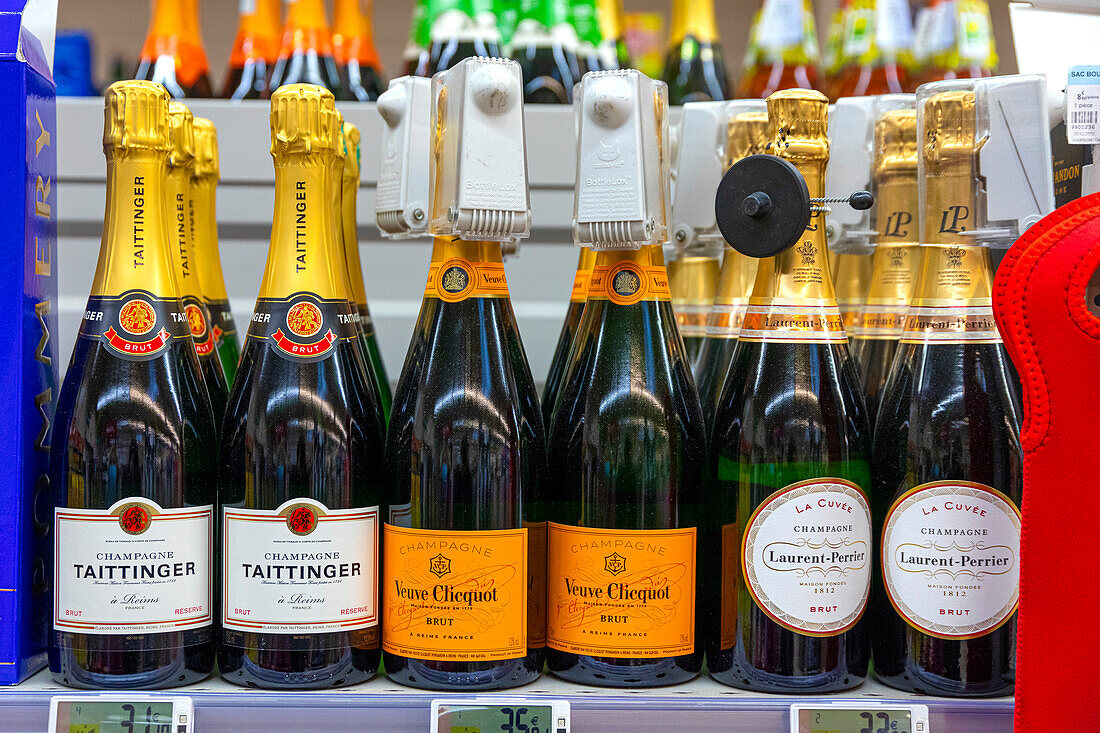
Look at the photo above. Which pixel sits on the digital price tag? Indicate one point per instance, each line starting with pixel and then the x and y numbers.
pixel 121 714
pixel 500 715
pixel 858 716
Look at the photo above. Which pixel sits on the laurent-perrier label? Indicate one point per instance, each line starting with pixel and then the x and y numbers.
pixel 135 568
pixel 806 556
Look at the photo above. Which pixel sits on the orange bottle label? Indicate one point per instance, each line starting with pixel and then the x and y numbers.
pixel 621 593
pixel 627 283
pixel 580 286
pixel 794 324
pixel 454 596
pixel 457 279
pixel 731 568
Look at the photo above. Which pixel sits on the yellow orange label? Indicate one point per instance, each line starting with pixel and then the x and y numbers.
pixel 950 325
pixel 850 315
pixel 627 283
pixel 879 323
pixel 454 596
pixel 536 584
pixel 731 569
pixel 726 318
pixel 580 286
pixel 692 319
pixel 793 324
pixel 621 593
pixel 458 279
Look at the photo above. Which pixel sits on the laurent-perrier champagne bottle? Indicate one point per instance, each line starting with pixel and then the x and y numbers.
pixel 585 261
pixel 896 256
pixel 207 256
pixel 464 550
pixel 789 460
pixel 301 450
pixel 131 467
pixel 181 212
pixel 627 444
pixel 947 458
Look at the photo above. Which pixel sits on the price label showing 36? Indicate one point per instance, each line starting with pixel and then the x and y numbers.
pixel 496 714
pixel 93 713
pixel 858 716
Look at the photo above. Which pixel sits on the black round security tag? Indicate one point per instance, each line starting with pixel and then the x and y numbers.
pixel 762 205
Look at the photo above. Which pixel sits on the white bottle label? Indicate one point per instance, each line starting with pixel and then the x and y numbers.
pixel 950 558
pixel 301 568
pixel 135 568
pixel 782 24
pixel 807 556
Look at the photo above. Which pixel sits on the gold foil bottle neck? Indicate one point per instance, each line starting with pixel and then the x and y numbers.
pixel 341 143
pixel 896 143
pixel 135 116
pixel 206 149
pixel 798 127
pixel 747 135
pixel 951 133
pixel 181 136
pixel 351 146
pixel 303 120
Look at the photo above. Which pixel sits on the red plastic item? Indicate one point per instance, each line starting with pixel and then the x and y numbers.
pixel 1054 340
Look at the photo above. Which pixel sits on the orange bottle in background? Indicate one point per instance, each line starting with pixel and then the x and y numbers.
pixel 356 57
pixel 173 54
pixel 875 55
pixel 255 49
pixel 783 51
pixel 306 53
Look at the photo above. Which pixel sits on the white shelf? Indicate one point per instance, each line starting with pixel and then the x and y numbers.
pixel 378 705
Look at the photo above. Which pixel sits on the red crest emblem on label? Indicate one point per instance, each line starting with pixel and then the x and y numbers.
pixel 196 321
pixel 301 520
pixel 304 319
pixel 137 317
pixel 134 519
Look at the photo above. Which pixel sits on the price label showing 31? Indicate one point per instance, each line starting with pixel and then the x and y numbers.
pixel 495 714
pixel 858 716
pixel 121 714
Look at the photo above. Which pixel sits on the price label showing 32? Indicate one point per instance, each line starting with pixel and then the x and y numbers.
pixel 94 713
pixel 857 716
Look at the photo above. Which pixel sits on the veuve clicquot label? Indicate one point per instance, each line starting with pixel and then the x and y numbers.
pixel 456 279
pixel 793 321
pixel 135 568
pixel 950 558
pixel 300 569
pixel 580 286
pixel 628 282
pixel 136 325
pixel 456 596
pixel 806 556
pixel 303 327
pixel 621 593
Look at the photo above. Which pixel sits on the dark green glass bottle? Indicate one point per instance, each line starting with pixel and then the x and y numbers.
pixel 789 459
pixel 131 464
pixel 545 46
pixel 302 445
pixel 459 29
pixel 558 362
pixel 948 467
pixel 586 24
pixel 695 68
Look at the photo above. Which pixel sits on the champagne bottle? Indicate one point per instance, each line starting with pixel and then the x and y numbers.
pixel 254 50
pixel 894 262
pixel 834 41
pixel 414 58
pixel 131 463
pixel 695 68
pixel 627 444
pixel 613 51
pixel 349 231
pixel 355 54
pixel 456 33
pixel 693 282
pixel 207 257
pixel 947 457
pixel 959 42
pixel 181 208
pixel 306 53
pixel 852 277
pixel 789 458
pixel 466 446
pixel 545 46
pixel 784 52
pixel 586 24
pixel 875 52
pixel 173 54
pixel 577 298
pixel 302 447
pixel 747 135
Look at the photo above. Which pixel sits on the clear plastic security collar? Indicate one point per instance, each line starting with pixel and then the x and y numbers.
pixel 403 198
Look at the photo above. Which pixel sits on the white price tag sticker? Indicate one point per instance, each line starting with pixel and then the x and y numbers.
pixel 500 713
pixel 114 713
pixel 1083 105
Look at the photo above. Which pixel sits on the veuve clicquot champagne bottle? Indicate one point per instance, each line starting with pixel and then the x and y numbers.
pixel 747 135
pixel 173 54
pixel 545 45
pixel 134 479
pixel 558 362
pixel 301 451
pixel 789 458
pixel 783 51
pixel 947 459
pixel 464 550
pixel 627 446
pixel 306 53
pixel 894 262
pixel 254 50
pixel 695 68
pixel 181 212
pixel 355 54
pixel 349 231
pixel 207 256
